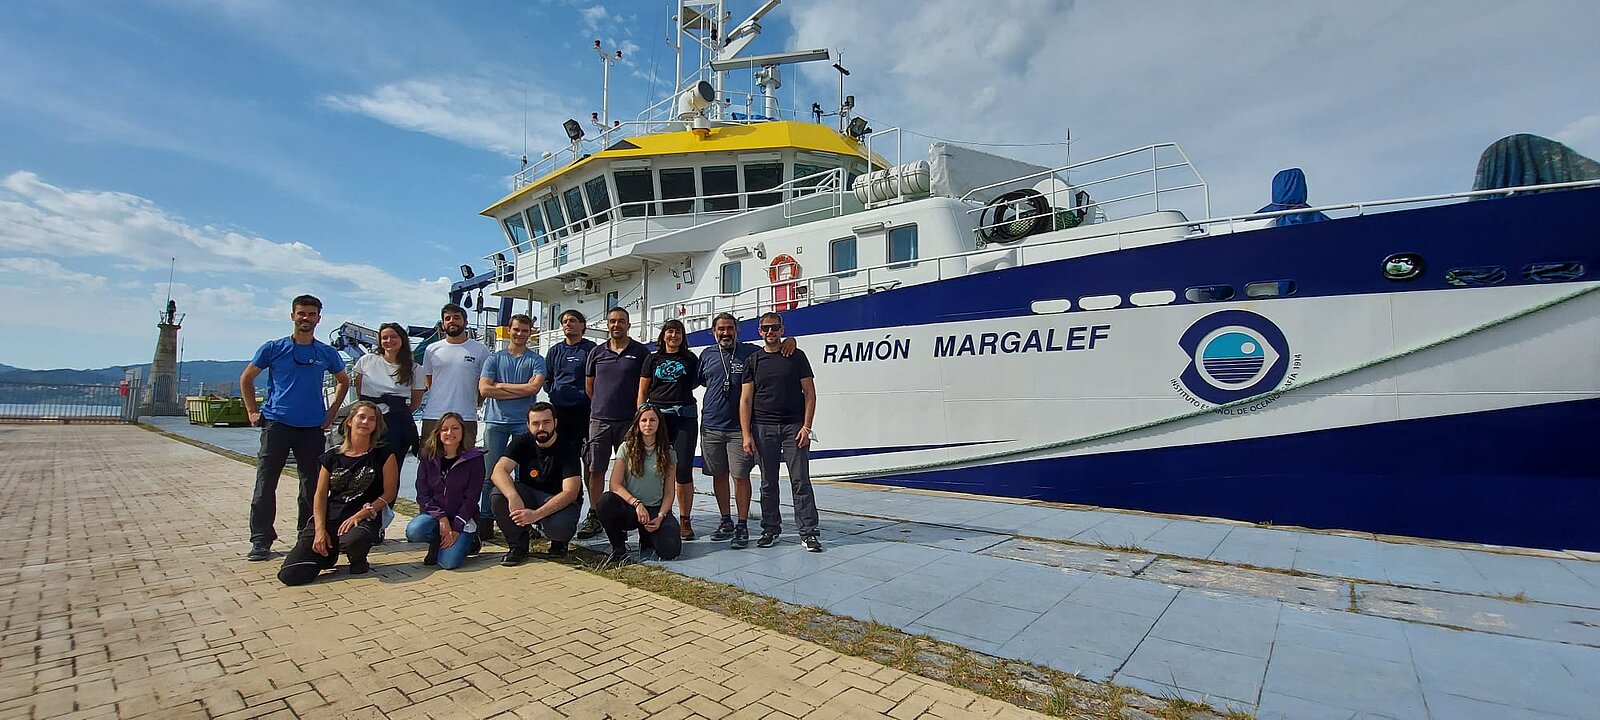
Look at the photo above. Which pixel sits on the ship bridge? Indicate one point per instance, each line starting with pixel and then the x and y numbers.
pixel 662 196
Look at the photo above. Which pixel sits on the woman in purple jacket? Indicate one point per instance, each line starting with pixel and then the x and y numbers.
pixel 449 479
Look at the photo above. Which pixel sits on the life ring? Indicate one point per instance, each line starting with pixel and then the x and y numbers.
pixel 1004 221
pixel 122 387
pixel 784 271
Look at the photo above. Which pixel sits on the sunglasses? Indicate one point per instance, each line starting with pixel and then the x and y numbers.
pixel 771 328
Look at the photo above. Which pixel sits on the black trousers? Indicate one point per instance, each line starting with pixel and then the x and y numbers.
pixel 684 431
pixel 559 526
pixel 572 423
pixel 618 517
pixel 303 564
pixel 277 442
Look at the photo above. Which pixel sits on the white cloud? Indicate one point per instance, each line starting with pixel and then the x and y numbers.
pixel 594 17
pixel 246 281
pixel 1583 131
pixel 477 112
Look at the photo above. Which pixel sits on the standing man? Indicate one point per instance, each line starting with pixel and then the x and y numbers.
pixel 538 482
pixel 452 368
pixel 510 380
pixel 294 418
pixel 775 411
pixel 611 377
pixel 564 380
pixel 722 369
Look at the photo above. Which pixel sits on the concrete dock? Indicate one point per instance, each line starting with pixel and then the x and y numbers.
pixel 1277 622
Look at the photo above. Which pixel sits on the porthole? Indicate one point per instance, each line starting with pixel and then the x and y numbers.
pixel 1553 271
pixel 1051 307
pixel 1209 293
pixel 1272 288
pixel 1151 298
pixel 1403 266
pixel 1475 276
pixel 1099 302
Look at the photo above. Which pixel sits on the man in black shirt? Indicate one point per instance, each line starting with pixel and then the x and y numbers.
pixel 775 411
pixel 546 491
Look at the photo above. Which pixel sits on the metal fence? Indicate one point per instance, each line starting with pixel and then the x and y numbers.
pixel 50 402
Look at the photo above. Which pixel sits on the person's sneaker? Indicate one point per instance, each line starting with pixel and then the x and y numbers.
pixel 558 548
pixel 741 538
pixel 618 556
pixel 476 547
pixel 432 558
pixel 724 530
pixel 359 567
pixel 767 539
pixel 812 543
pixel 591 526
pixel 514 558
pixel 686 530
pixel 258 553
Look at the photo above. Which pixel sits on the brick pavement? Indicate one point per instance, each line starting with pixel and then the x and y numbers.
pixel 124 594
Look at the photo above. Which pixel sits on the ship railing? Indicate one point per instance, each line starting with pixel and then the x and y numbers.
pixel 67 403
pixel 1073 203
pixel 753 105
pixel 696 313
pixel 584 241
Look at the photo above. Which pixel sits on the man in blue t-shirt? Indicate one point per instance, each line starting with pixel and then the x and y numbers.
pixel 564 380
pixel 293 419
pixel 508 383
pixel 721 442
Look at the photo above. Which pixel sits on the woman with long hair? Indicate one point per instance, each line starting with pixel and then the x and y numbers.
pixel 449 474
pixel 359 478
pixel 666 381
pixel 389 379
pixel 641 491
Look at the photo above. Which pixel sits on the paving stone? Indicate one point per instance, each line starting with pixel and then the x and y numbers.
pixel 1205 672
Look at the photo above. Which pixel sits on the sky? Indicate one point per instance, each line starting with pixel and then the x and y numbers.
pixel 345 149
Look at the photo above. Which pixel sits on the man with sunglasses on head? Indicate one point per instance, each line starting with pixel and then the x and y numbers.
pixel 293 418
pixel 776 407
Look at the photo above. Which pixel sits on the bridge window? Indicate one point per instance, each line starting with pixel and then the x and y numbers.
pixel 842 256
pixel 574 198
pixel 636 186
pixel 517 232
pixel 730 278
pixel 599 199
pixel 552 208
pixel 721 180
pixel 802 179
pixel 611 300
pixel 555 316
pixel 903 244
pixel 1209 293
pixel 677 183
pixel 536 227
pixel 763 176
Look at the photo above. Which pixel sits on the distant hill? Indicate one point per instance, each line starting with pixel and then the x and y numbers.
pixel 210 373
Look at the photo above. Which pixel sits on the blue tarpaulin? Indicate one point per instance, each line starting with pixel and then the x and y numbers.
pixel 1288 193
pixel 1523 159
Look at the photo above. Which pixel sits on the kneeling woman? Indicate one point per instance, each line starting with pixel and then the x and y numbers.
pixel 641 490
pixel 358 480
pixel 448 483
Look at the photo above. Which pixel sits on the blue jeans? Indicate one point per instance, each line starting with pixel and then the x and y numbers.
pixel 425 528
pixel 497 437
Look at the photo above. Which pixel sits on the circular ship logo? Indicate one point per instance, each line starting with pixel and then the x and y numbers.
pixel 1233 354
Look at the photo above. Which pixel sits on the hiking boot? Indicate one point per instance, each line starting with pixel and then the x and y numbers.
pixel 558 548
pixel 514 558
pixel 768 539
pixel 686 530
pixel 485 531
pixel 360 567
pixel 590 528
pixel 432 558
pixel 724 530
pixel 741 538
pixel 258 553
pixel 812 543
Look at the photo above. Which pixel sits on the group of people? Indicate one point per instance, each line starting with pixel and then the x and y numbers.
pixel 616 406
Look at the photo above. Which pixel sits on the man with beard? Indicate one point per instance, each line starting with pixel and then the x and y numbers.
pixel 565 382
pixel 721 444
pixel 611 378
pixel 538 482
pixel 452 368
pixel 292 420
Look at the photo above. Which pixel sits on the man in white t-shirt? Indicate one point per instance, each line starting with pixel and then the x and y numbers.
pixel 452 368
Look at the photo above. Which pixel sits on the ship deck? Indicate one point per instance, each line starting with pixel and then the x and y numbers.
pixel 1279 622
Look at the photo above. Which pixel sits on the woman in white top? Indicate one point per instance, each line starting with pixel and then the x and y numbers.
pixel 391 379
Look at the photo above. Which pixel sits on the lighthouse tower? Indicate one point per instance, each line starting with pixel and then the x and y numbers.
pixel 161 391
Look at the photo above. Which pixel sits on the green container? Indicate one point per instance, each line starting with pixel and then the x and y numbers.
pixel 212 411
